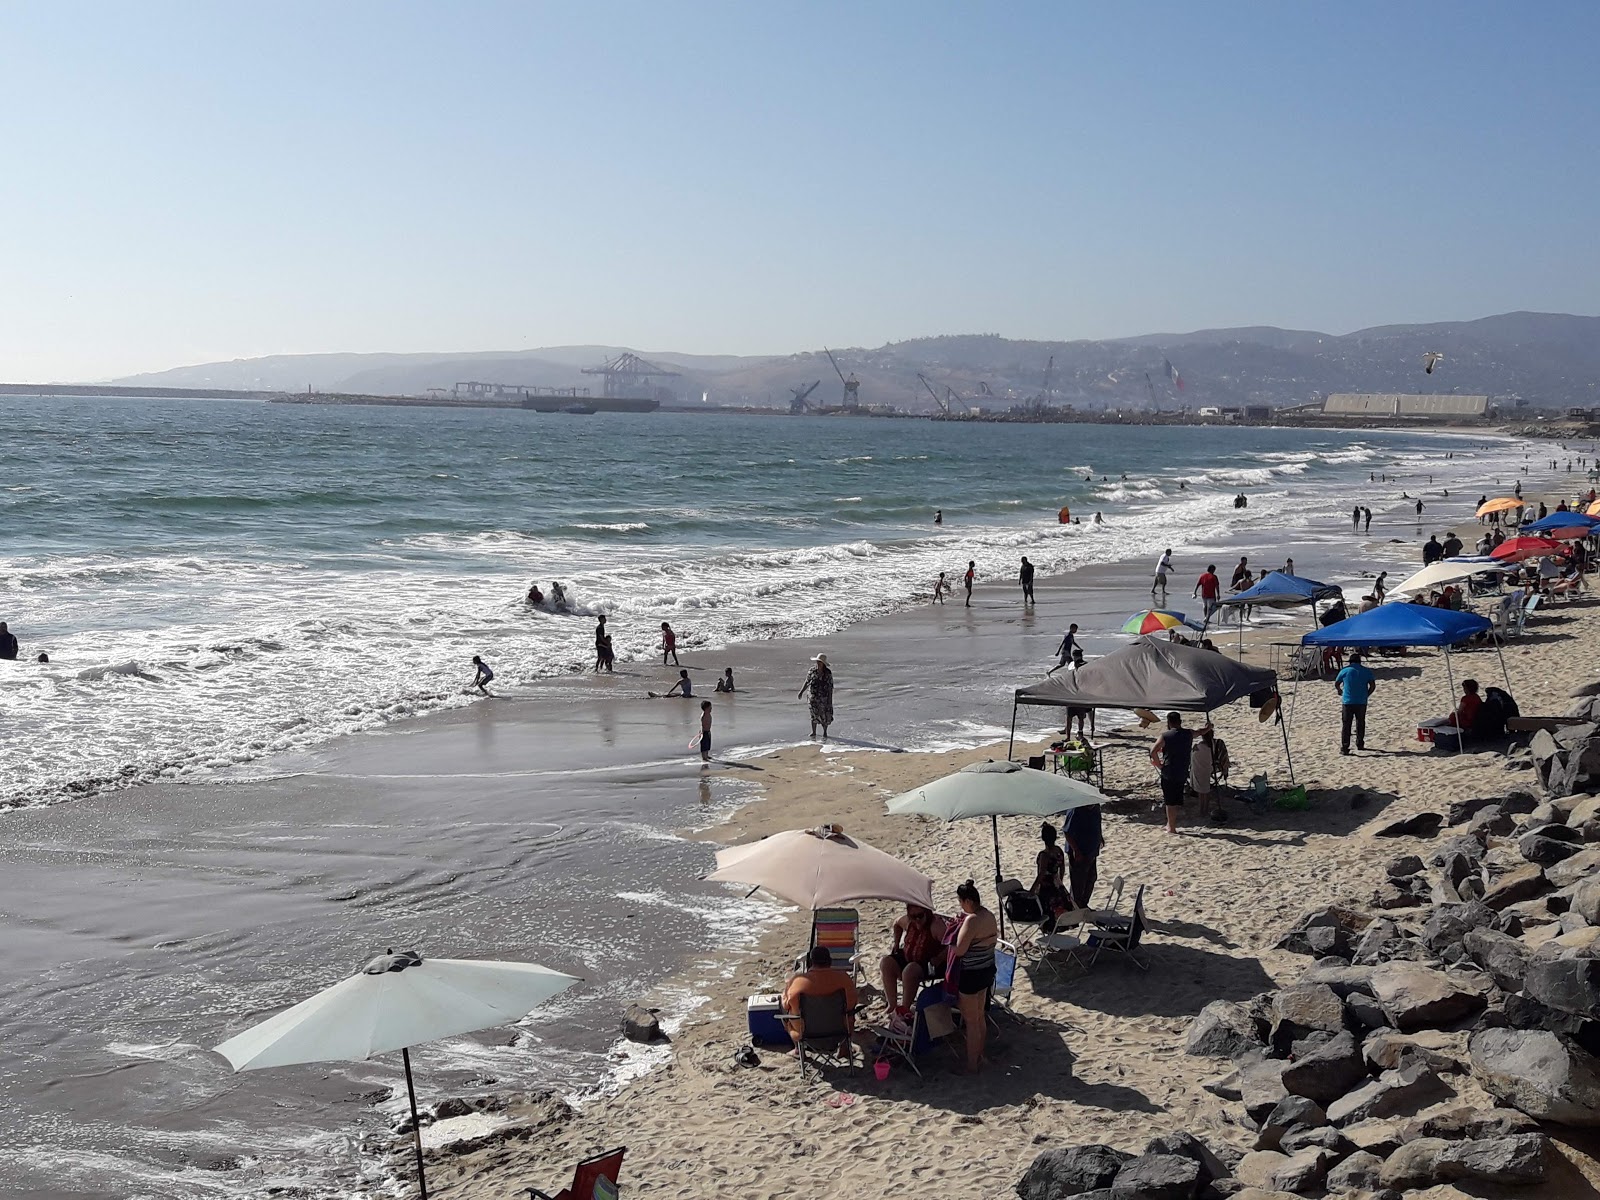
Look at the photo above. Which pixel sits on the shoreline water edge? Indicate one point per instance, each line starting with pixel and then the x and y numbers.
pixel 565 822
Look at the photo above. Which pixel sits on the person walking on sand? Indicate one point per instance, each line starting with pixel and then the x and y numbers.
pixel 1170 755
pixel 820 684
pixel 1209 588
pixel 1163 568
pixel 1356 683
pixel 705 731
pixel 1379 586
pixel 482 676
pixel 941 588
pixel 1069 643
pixel 1025 577
pixel 669 645
pixel 968 578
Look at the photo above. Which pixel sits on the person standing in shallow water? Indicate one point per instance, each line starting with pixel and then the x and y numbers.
pixel 1025 577
pixel 669 645
pixel 820 684
pixel 968 578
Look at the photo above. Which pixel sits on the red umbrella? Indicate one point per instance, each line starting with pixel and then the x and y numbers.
pixel 1518 548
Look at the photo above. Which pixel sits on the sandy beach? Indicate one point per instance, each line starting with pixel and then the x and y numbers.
pixel 1095 1056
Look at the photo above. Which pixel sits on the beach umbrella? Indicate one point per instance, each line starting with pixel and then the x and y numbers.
pixel 1499 504
pixel 1445 571
pixel 1156 620
pixel 821 868
pixel 1594 509
pixel 994 790
pixel 393 1003
pixel 1518 548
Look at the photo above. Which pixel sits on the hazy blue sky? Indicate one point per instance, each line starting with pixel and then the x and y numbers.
pixel 186 182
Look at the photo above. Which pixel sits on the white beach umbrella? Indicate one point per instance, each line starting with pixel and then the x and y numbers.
pixel 393 1003
pixel 820 868
pixel 1443 572
pixel 994 790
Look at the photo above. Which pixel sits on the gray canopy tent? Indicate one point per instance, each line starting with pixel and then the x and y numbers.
pixel 1156 675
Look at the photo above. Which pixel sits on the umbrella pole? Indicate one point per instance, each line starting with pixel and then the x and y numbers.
pixel 1503 672
pixel 1011 743
pixel 1450 675
pixel 416 1129
pixel 1283 727
pixel 994 823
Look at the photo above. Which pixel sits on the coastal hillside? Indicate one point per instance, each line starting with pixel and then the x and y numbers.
pixel 1545 359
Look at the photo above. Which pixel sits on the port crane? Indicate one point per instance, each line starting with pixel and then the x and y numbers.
pixel 798 404
pixel 852 388
pixel 950 398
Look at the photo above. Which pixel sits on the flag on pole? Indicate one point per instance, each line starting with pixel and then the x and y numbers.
pixel 1172 374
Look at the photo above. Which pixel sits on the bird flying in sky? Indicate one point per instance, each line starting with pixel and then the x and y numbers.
pixel 1429 359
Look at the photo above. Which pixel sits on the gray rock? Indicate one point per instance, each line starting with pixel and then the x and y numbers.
pixel 1324 941
pixel 1222 1029
pixel 1544 1074
pixel 1329 1071
pixel 1524 1012
pixel 1343 978
pixel 1586 899
pixel 1504 958
pixel 1514 1160
pixel 1522 883
pixel 1406 1088
pixel 1069 1171
pixel 1366 1012
pixel 1341 923
pixel 1448 923
pixel 1358 1173
pixel 1573 868
pixel 1157 1177
pixel 1466 845
pixel 1491 822
pixel 1324 1137
pixel 1186 1144
pixel 1542 849
pixel 1416 996
pixel 1412 892
pixel 1378 943
pixel 1298 1010
pixel 1462 811
pixel 1389 1050
pixel 1258 1168
pixel 1413 1165
pixel 1375 1135
pixel 1261 1087
pixel 1290 1113
pixel 639 1024
pixel 1224 1087
pixel 1406 864
pixel 1571 985
pixel 1589 830
pixel 1303 1171
pixel 1465 1122
pixel 1423 824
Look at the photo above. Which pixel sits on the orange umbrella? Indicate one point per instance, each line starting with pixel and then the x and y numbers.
pixel 1499 504
pixel 1594 509
pixel 1518 548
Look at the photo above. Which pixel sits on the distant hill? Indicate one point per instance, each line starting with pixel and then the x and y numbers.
pixel 1548 359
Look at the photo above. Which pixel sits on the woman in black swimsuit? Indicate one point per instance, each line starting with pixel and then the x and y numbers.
pixel 974 949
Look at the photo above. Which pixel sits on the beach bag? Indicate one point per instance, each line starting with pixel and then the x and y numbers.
pixel 1294 800
pixel 1024 908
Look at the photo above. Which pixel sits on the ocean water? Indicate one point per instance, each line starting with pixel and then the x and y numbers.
pixel 217 582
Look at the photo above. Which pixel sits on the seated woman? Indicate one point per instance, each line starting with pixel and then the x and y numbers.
pixel 917 956
pixel 1050 878
pixel 1459 723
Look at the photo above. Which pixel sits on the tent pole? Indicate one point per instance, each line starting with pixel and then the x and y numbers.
pixel 1506 675
pixel 1011 743
pixel 1450 675
pixel 994 822
pixel 416 1128
pixel 1283 727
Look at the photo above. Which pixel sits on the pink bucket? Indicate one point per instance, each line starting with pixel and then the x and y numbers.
pixel 881 1069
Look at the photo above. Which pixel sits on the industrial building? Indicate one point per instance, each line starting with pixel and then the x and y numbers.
pixel 1407 407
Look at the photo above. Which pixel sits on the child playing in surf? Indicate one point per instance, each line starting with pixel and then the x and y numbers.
pixel 483 676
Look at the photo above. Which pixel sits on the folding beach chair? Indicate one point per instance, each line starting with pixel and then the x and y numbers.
pixel 592 1179
pixel 1065 940
pixel 1005 975
pixel 837 929
pixel 826 1020
pixel 1113 897
pixel 1120 935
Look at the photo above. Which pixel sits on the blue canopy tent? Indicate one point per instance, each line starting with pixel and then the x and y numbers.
pixel 1276 589
pixel 1397 625
pixel 1562 520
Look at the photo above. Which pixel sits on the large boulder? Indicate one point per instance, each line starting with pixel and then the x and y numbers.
pixel 1343 978
pixel 1464 1122
pixel 1571 985
pixel 1375 1135
pixel 1258 1168
pixel 1358 1173
pixel 1069 1171
pixel 1287 1115
pixel 1324 1137
pixel 1406 1089
pixel 1462 811
pixel 1303 1171
pixel 1514 1160
pixel 1413 1165
pixel 1329 1071
pixel 1415 996
pixel 1389 1050
pixel 1329 930
pixel 1261 1087
pixel 1578 866
pixel 1520 883
pixel 1423 824
pixel 1380 942
pixel 1544 1074
pixel 639 1024
pixel 1586 899
pixel 1302 1009
pixel 1222 1029
pixel 1544 849
pixel 1157 1177
pixel 1504 958
pixel 1181 1142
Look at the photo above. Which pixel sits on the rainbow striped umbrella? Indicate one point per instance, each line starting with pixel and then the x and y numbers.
pixel 1156 620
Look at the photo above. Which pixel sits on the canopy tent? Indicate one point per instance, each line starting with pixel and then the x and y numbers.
pixel 1563 521
pixel 1397 625
pixel 1278 589
pixel 1155 675
pixel 1450 570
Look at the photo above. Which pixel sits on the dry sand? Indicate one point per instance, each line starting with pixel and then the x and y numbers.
pixel 1097 1055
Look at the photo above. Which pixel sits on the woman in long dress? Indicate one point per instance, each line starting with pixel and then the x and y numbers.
pixel 820 684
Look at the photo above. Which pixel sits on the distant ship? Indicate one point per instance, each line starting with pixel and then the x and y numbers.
pixel 579 410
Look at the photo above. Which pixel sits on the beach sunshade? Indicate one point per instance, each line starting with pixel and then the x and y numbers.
pixel 1276 589
pixel 1156 621
pixel 395 1002
pixel 1594 509
pixel 1447 571
pixel 822 868
pixel 1401 625
pixel 1498 504
pixel 1563 525
pixel 1519 548
pixel 1152 674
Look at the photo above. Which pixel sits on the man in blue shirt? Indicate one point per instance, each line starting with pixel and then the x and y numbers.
pixel 1083 834
pixel 1355 684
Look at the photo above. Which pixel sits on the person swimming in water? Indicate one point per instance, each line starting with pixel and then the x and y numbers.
pixel 535 596
pixel 558 596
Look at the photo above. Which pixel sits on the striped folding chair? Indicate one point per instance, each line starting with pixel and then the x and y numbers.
pixel 837 929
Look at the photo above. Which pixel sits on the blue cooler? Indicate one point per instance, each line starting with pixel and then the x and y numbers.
pixel 762 1012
